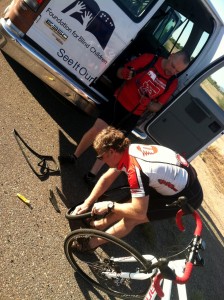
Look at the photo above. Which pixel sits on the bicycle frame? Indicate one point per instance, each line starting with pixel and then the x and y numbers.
pixel 181 268
pixel 176 265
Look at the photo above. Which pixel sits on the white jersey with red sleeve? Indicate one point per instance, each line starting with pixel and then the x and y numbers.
pixel 154 166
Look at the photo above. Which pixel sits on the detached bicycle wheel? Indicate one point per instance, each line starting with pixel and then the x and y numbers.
pixel 119 194
pixel 70 216
pixel 102 267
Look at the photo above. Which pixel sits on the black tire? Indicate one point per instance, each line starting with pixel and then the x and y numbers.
pixel 118 194
pixel 91 264
pixel 70 216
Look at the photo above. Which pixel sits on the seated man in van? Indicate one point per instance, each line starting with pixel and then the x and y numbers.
pixel 149 83
pixel 157 176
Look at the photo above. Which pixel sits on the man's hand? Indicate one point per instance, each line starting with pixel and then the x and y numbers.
pixel 154 106
pixel 100 208
pixel 80 209
pixel 127 73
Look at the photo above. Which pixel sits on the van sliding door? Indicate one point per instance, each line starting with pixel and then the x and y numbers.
pixel 196 116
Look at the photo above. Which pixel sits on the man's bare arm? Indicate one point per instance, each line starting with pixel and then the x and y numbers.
pixel 101 187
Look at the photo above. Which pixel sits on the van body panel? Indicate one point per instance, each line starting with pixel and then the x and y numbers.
pixel 193 121
pixel 85 38
pixel 48 72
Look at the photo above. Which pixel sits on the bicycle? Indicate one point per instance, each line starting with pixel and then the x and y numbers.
pixel 118 269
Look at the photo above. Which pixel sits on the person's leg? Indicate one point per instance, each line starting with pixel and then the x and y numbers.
pixel 96 167
pixel 89 137
pixel 105 118
pixel 120 229
pixel 105 222
pixel 119 114
pixel 85 142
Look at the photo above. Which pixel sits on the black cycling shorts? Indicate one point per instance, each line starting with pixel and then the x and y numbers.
pixel 158 210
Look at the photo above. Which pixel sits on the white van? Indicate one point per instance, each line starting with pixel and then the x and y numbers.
pixel 77 46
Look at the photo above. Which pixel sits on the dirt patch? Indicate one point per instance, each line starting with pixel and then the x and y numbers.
pixel 210 169
pixel 213 158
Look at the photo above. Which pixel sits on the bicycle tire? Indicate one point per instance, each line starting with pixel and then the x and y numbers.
pixel 90 265
pixel 70 216
pixel 118 194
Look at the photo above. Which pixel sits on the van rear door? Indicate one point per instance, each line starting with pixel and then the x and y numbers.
pixel 86 36
pixel 196 116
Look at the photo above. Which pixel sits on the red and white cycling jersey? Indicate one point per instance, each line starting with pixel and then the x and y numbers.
pixel 156 166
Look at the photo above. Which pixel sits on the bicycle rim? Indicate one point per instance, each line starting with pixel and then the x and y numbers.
pixel 93 265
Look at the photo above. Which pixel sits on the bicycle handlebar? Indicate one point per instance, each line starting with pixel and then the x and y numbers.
pixel 190 263
pixel 197 218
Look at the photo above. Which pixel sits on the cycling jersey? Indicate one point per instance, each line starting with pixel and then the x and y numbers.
pixel 150 83
pixel 156 167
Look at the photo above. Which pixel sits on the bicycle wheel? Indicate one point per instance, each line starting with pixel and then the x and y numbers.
pixel 93 266
pixel 69 214
pixel 118 194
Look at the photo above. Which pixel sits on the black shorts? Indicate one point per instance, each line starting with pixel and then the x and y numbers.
pixel 158 210
pixel 114 114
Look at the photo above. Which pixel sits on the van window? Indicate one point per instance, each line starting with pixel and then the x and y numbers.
pixel 176 32
pixel 136 10
pixel 167 26
pixel 214 87
pixel 173 28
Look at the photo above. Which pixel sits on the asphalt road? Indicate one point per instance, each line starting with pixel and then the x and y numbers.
pixel 33 264
pixel 32 261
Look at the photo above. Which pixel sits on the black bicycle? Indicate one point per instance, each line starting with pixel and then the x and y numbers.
pixel 118 269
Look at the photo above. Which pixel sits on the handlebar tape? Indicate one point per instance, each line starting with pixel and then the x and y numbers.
pixel 157 286
pixel 179 220
pixel 197 218
pixel 187 273
pixel 198 228
pixel 178 280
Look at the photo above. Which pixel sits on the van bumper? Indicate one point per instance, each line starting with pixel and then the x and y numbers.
pixel 13 45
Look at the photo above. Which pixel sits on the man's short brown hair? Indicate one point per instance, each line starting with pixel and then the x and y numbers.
pixel 110 137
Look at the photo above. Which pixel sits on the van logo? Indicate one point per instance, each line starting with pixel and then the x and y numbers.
pixel 55 29
pixel 96 21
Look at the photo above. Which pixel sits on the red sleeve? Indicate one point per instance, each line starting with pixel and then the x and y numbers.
pixel 140 61
pixel 163 99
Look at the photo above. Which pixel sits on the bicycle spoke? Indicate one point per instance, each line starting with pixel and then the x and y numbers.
pixel 97 266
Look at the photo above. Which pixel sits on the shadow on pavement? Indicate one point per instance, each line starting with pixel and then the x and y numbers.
pixel 87 289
